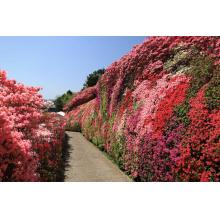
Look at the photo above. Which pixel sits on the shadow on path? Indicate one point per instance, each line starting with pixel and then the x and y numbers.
pixel 66 151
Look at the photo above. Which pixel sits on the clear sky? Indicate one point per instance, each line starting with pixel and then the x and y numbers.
pixel 58 64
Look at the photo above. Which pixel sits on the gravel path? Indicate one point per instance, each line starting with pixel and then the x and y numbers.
pixel 87 164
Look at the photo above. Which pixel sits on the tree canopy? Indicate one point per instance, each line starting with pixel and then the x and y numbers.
pixel 60 101
pixel 93 78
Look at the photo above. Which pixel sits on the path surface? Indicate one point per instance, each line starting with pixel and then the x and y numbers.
pixel 87 164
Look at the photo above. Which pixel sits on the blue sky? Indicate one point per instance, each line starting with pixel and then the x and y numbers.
pixel 59 63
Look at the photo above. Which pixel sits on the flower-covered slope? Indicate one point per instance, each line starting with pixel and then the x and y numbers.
pixel 156 111
pixel 30 140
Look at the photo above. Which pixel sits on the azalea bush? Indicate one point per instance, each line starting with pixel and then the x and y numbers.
pixel 30 140
pixel 156 111
pixel 81 98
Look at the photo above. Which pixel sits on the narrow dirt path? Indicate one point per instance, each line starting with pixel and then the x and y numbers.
pixel 87 164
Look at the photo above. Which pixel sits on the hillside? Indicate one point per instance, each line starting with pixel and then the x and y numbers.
pixel 156 111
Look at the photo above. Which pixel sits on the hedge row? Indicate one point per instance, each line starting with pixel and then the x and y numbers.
pixel 157 110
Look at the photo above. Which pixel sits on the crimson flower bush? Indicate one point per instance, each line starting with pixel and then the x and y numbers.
pixel 156 111
pixel 30 140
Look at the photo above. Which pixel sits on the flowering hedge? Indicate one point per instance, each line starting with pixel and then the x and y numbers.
pixel 30 140
pixel 84 96
pixel 157 110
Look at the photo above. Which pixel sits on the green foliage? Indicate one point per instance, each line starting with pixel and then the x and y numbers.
pixel 128 82
pixel 73 126
pixel 112 120
pixel 213 91
pixel 181 113
pixel 99 142
pixel 90 119
pixel 179 62
pixel 202 71
pixel 93 78
pixel 137 104
pixel 117 151
pixel 213 97
pixel 88 127
pixel 76 127
pixel 103 104
pixel 60 101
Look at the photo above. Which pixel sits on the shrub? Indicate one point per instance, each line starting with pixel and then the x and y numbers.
pixel 30 141
pixel 81 98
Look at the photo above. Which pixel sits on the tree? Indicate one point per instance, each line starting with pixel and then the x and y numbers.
pixel 60 101
pixel 93 78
